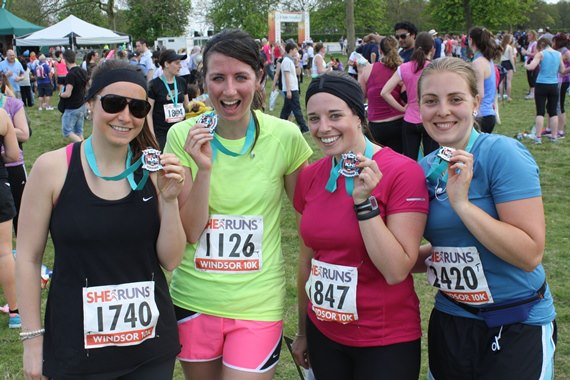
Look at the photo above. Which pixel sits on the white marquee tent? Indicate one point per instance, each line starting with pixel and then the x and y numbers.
pixel 71 31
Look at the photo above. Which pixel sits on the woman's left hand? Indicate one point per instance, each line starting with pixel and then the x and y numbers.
pixel 171 177
pixel 369 177
pixel 460 173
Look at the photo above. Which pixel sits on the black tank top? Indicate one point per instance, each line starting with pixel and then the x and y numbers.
pixel 102 242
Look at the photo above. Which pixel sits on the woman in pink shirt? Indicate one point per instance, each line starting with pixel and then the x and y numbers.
pixel 407 74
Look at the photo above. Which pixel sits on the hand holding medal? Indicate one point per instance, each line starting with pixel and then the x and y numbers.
pixel 199 138
pixel 367 179
pixel 459 177
pixel 171 180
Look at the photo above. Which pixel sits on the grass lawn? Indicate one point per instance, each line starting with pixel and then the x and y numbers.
pixel 518 115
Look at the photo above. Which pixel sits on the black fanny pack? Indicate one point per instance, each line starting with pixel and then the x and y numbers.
pixel 504 313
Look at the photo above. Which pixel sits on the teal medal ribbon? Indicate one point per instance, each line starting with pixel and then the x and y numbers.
pixel 439 166
pixel 173 97
pixel 128 173
pixel 336 169
pixel 477 55
pixel 249 137
pixel 2 97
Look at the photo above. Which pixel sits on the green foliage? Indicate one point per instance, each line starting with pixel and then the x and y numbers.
pixel 452 15
pixel 151 19
pixel 30 10
pixel 85 10
pixel 248 15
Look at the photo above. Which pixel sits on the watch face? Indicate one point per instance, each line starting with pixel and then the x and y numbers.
pixel 373 202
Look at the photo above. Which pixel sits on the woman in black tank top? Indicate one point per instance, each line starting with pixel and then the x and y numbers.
pixel 109 314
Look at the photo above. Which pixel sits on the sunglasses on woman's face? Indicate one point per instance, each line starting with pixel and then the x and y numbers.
pixel 402 36
pixel 116 103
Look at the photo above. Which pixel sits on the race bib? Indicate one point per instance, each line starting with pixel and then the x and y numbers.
pixel 459 273
pixel 332 291
pixel 119 315
pixel 174 113
pixel 230 244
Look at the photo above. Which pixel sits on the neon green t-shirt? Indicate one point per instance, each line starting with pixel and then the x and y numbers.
pixel 240 271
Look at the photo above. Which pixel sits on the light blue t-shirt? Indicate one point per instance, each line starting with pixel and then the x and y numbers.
pixel 548 73
pixel 503 171
pixel 16 69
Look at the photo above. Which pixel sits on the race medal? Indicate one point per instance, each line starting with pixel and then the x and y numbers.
pixel 458 272
pixel 173 113
pixel 445 153
pixel 332 291
pixel 349 165
pixel 230 244
pixel 119 315
pixel 151 160
pixel 210 121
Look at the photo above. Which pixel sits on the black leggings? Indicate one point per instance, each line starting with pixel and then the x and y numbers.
pixel 563 89
pixel 388 133
pixel 331 360
pixel 412 136
pixel 531 76
pixel 154 370
pixel 546 98
pixel 17 178
pixel 487 123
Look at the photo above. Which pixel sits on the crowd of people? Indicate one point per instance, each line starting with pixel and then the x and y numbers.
pixel 408 156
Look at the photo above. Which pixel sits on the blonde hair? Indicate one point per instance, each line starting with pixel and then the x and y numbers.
pixel 451 65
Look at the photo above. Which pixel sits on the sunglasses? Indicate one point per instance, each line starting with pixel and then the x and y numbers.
pixel 402 36
pixel 116 103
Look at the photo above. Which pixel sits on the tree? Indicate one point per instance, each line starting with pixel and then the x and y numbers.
pixel 150 19
pixel 30 10
pixel 248 15
pixel 461 15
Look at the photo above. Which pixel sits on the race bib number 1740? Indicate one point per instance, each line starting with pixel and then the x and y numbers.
pixel 119 315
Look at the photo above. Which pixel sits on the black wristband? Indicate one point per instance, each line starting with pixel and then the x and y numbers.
pixel 368 215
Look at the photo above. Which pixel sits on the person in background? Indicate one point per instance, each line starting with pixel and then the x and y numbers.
pixel 168 96
pixel 72 99
pixel 290 85
pixel 10 152
pixel 257 156
pixel 560 43
pixel 384 121
pixel 44 74
pixel 529 53
pixel 405 32
pixel 508 61
pixel 145 58
pixel 16 169
pixel 60 70
pixel 364 226
pixel 13 70
pixel 26 85
pixel 114 230
pixel 413 132
pixel 485 50
pixel 494 314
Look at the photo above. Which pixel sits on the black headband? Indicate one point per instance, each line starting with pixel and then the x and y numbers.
pixel 342 87
pixel 116 75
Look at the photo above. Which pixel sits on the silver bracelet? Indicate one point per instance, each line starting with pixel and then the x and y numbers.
pixel 31 334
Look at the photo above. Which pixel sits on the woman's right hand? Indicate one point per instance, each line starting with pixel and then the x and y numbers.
pixel 33 359
pixel 301 352
pixel 198 146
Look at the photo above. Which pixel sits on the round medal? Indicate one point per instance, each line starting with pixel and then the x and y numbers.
pixel 210 121
pixel 349 165
pixel 151 160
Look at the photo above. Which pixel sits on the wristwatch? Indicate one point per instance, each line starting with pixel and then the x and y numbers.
pixel 370 204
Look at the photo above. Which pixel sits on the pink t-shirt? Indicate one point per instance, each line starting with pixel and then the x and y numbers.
pixel 386 314
pixel 410 79
pixel 61 68
pixel 378 108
